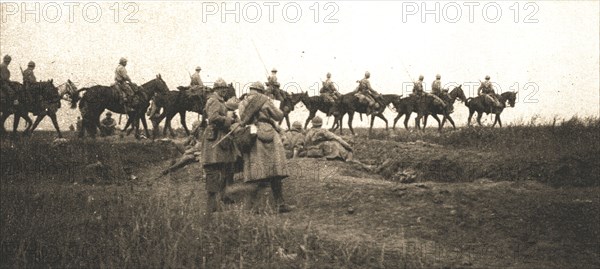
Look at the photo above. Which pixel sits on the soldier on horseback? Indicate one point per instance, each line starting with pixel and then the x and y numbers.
pixel 329 93
pixel 124 84
pixel 28 81
pixel 273 87
pixel 436 90
pixel 487 90
pixel 7 91
pixel 418 87
pixel 196 80
pixel 366 94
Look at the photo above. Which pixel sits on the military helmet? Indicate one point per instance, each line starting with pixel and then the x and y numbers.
pixel 198 68
pixel 7 58
pixel 421 77
pixel 108 114
pixel 257 86
pixel 328 74
pixel 297 125
pixel 31 64
pixel 438 76
pixel 274 70
pixel 487 77
pixel 122 60
pixel 367 74
pixel 219 83
pixel 317 121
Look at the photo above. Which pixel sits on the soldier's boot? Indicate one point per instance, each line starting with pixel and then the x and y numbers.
pixel 277 189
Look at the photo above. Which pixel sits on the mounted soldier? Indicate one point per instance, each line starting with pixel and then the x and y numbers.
pixel 366 94
pixel 329 93
pixel 437 91
pixel 418 87
pixel 487 90
pixel 124 85
pixel 273 87
pixel 29 80
pixel 8 92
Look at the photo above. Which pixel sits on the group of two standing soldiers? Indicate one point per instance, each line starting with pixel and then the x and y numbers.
pixel 264 163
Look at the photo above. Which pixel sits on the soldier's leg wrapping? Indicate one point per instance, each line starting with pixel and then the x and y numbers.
pixel 215 184
pixel 277 189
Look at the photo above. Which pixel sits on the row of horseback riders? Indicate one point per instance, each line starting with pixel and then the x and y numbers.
pixel 364 92
pixel 9 88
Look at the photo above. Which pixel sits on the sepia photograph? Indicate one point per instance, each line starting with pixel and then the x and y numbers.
pixel 300 134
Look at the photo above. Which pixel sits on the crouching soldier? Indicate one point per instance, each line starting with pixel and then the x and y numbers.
pixel 323 143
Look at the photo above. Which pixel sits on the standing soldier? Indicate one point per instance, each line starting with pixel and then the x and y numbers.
pixel 7 91
pixel 329 93
pixel 218 159
pixel 264 162
pixel 487 90
pixel 123 83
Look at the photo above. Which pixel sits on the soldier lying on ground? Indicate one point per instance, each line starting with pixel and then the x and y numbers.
pixel 320 142
pixel 191 150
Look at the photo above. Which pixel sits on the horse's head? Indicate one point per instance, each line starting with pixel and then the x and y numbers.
pixel 156 86
pixel 511 97
pixel 229 92
pixel 68 91
pixel 49 93
pixel 458 92
pixel 295 98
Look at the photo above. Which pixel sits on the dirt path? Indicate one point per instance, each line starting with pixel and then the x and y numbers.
pixel 479 224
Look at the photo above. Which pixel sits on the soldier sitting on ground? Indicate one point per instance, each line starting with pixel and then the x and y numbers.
pixel 320 142
pixel 293 141
pixel 107 125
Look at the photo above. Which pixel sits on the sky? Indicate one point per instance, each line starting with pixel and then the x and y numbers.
pixel 546 50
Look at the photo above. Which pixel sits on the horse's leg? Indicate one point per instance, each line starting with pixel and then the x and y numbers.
pixel 145 125
pixel 16 119
pixel 168 125
pixel 310 117
pixel 3 120
pixel 55 123
pixel 380 115
pixel 406 119
pixel 350 118
pixel 396 120
pixel 479 115
pixel 130 122
pixel 182 119
pixel 156 124
pixel 418 121
pixel 371 126
pixel 38 119
pixel 499 120
pixel 287 120
pixel 471 111
pixel 451 122
pixel 438 120
pixel 425 121
pixel 28 124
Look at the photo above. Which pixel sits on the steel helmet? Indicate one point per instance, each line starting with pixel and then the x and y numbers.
pixel 297 125
pixel 274 70
pixel 198 68
pixel 122 60
pixel 438 76
pixel 328 74
pixel 257 86
pixel 31 64
pixel 108 113
pixel 487 77
pixel 219 83
pixel 421 77
pixel 317 121
pixel 7 58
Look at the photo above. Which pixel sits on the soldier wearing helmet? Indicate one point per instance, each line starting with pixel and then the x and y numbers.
pixel 217 159
pixel 293 141
pixel 124 84
pixel 28 75
pixel 320 142
pixel 107 125
pixel 273 87
pixel 195 79
pixel 329 93
pixel 487 90
pixel 366 94
pixel 439 94
pixel 5 81
pixel 265 158
pixel 418 86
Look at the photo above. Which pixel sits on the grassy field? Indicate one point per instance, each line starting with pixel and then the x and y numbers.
pixel 518 197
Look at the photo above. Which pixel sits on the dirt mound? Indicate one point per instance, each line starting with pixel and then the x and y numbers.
pixel 82 160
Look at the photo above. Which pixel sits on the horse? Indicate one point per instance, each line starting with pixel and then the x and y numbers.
pixel 426 105
pixel 349 103
pixel 98 98
pixel 479 105
pixel 40 98
pixel 404 107
pixel 287 106
pixel 179 102
pixel 456 93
